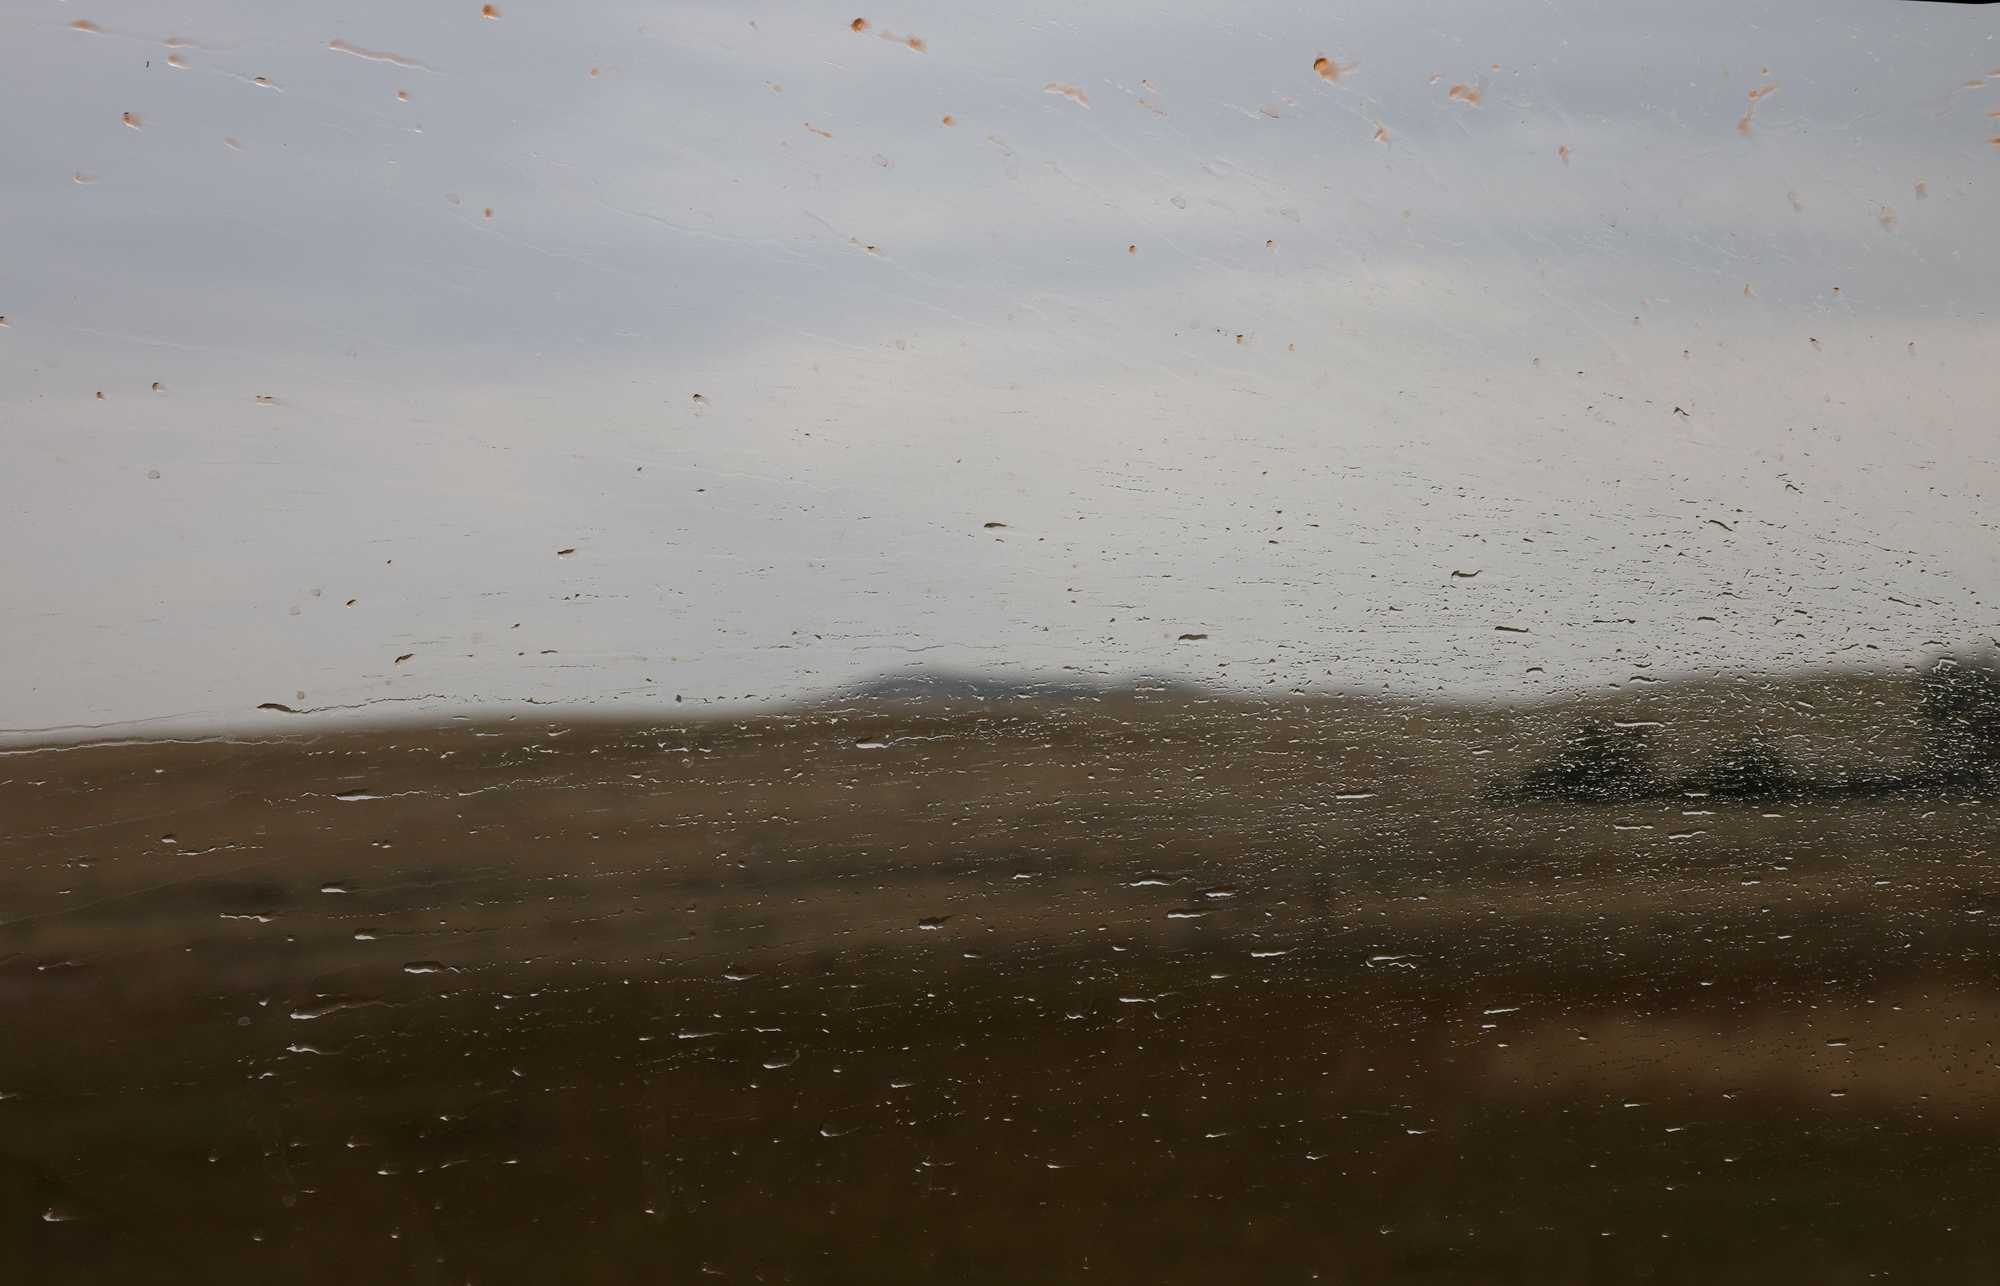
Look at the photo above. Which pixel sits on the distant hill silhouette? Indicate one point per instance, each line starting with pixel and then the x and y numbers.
pixel 970 685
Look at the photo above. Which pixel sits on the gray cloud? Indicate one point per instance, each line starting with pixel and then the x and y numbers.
pixel 1458 348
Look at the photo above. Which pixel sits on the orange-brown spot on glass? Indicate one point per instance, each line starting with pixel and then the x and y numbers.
pixel 1327 68
pixel 1381 132
pixel 131 119
pixel 948 121
pixel 3 321
pixel 1563 152
pixel 1757 96
pixel 489 11
pixel 176 61
pixel 1467 94
pixel 159 387
pixel 1239 339
pixel 817 130
pixel 85 24
pixel 80 178
pixel 1271 244
pixel 916 43
pixel 859 24
pixel 1887 218
pixel 1747 292
pixel 100 395
pixel 488 213
pixel 1923 190
pixel 1132 249
pixel 1071 92
pixel 402 95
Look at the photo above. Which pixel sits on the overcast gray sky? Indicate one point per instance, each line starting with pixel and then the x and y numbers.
pixel 1367 333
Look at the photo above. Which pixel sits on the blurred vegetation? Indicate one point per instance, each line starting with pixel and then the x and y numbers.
pixel 1957 709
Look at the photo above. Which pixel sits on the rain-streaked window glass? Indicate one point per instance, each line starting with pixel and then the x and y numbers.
pixel 1032 642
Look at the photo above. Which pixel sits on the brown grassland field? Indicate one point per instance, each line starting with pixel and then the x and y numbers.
pixel 1131 989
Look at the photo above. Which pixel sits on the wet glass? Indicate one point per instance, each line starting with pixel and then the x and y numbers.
pixel 1040 643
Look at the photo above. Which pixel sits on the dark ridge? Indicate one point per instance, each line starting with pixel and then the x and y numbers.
pixel 968 685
